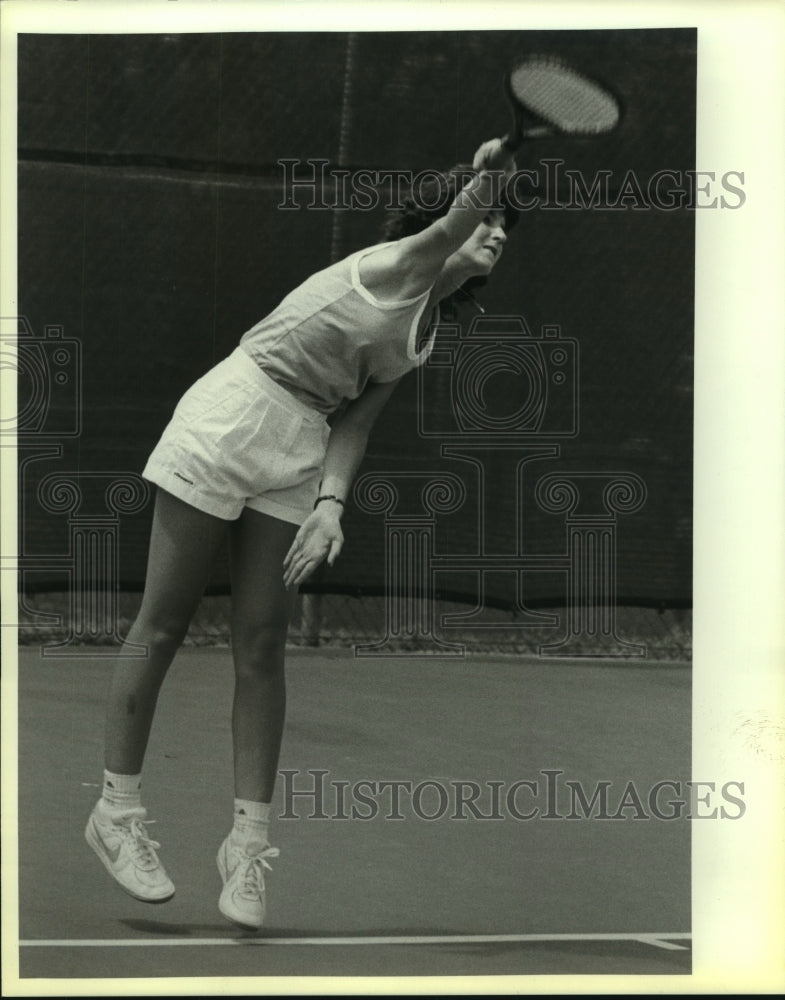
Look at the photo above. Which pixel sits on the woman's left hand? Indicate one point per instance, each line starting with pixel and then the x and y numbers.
pixel 319 538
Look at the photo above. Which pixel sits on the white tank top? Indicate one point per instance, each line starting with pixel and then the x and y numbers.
pixel 331 336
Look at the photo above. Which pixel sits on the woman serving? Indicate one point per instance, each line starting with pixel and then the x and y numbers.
pixel 249 454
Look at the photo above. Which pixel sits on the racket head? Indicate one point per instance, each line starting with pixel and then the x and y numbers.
pixel 548 96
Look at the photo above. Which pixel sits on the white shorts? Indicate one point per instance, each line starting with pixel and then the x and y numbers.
pixel 237 439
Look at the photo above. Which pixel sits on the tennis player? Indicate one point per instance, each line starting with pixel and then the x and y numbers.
pixel 249 454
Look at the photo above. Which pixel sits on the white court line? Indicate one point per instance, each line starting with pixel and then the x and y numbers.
pixel 662 940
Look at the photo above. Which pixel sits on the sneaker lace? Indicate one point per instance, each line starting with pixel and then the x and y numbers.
pixel 252 878
pixel 142 847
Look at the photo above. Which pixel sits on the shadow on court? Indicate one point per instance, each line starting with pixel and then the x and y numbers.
pixel 487 837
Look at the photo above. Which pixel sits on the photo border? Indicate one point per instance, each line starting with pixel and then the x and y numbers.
pixel 739 537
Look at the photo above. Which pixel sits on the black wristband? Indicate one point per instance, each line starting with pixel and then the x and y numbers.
pixel 330 496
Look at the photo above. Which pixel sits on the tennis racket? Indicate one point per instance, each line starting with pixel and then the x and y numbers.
pixel 548 97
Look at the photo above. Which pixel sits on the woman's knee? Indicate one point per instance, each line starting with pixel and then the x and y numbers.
pixel 258 648
pixel 161 635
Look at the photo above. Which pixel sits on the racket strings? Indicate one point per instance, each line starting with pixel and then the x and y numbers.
pixel 563 98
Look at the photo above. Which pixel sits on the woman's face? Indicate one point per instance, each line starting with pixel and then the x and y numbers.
pixel 483 249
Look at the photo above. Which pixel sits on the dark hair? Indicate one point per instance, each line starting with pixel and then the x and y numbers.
pixel 429 199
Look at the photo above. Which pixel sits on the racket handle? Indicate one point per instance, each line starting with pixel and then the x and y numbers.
pixel 512 142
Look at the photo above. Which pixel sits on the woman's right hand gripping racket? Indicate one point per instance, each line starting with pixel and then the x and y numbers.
pixel 550 98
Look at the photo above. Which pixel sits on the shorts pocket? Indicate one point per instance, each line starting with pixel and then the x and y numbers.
pixel 216 391
pixel 264 425
pixel 256 439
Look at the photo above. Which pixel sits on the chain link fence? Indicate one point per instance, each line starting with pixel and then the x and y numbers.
pixel 349 621
pixel 151 236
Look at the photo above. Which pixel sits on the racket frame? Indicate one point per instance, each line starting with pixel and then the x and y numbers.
pixel 527 124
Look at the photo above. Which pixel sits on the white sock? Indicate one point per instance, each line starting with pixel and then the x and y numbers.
pixel 122 791
pixel 251 822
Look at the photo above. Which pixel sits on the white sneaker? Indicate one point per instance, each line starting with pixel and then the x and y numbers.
pixel 242 870
pixel 120 840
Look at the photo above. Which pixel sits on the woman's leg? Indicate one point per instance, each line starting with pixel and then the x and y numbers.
pixel 261 608
pixel 183 545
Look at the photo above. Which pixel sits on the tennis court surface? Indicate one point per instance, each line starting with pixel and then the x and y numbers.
pixel 444 888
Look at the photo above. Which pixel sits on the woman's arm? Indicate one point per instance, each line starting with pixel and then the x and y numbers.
pixel 320 537
pixel 412 264
pixel 434 245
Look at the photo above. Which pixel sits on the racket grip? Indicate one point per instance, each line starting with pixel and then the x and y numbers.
pixel 511 142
